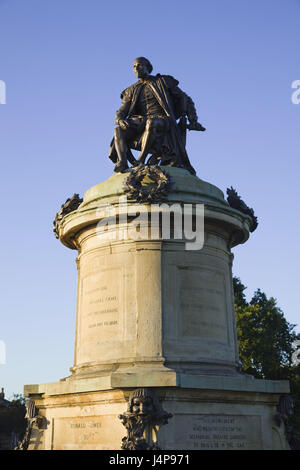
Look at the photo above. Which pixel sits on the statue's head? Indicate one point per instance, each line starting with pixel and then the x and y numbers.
pixel 142 67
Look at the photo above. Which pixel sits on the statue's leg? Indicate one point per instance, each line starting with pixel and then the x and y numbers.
pixel 121 148
pixel 154 126
pixel 130 157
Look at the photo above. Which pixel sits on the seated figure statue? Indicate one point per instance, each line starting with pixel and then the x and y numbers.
pixel 147 121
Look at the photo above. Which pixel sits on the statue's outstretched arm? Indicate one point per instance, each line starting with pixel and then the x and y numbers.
pixel 188 109
pixel 191 113
pixel 191 110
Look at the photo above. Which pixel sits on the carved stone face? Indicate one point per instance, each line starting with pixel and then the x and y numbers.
pixel 142 405
pixel 140 69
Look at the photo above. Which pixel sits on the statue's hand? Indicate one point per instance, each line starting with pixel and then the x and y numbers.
pixel 123 124
pixel 195 126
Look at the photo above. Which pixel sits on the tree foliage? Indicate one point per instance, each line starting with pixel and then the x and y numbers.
pixel 266 341
pixel 18 400
pixel 13 416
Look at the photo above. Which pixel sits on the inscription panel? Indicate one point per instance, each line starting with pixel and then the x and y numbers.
pixel 219 432
pixel 100 311
pixel 203 311
pixel 87 432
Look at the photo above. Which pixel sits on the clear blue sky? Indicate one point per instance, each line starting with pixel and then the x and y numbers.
pixel 65 63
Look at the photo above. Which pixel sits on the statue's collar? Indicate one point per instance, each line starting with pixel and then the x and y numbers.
pixel 148 79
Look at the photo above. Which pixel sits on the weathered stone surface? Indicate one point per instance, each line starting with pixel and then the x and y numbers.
pixel 151 313
pixel 202 419
pixel 151 301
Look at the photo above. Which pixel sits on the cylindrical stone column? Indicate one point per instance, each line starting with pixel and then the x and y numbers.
pixel 152 303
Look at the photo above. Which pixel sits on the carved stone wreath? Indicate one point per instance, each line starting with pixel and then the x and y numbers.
pixel 70 205
pixel 155 190
pixel 235 201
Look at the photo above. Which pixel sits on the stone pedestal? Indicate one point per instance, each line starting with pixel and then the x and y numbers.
pixel 152 313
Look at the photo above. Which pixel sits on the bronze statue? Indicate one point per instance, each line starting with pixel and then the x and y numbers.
pixel 147 121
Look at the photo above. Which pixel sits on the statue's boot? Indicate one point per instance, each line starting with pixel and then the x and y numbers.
pixel 120 166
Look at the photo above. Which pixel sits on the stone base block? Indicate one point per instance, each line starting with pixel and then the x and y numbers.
pixel 209 413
